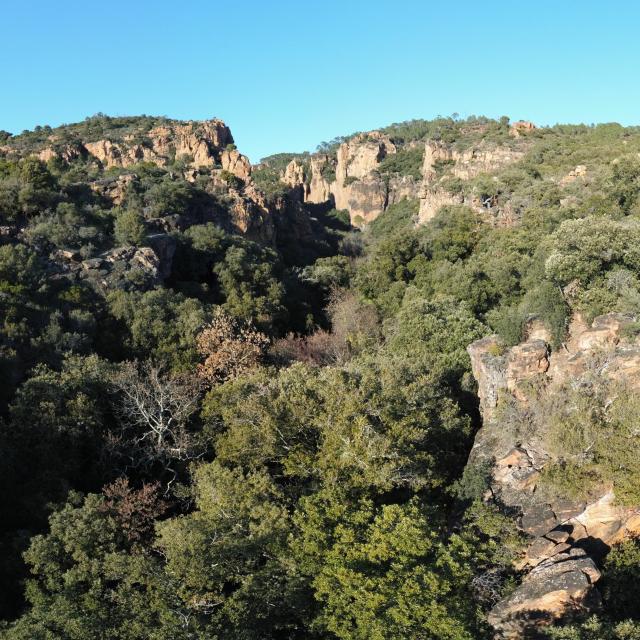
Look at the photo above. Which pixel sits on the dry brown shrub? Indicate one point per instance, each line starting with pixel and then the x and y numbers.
pixel 135 510
pixel 229 348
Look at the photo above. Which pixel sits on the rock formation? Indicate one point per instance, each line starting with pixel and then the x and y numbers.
pixel 113 189
pixel 67 153
pixel 319 189
pixel 234 162
pixel 568 535
pixel 295 175
pixel 252 215
pixel 466 164
pixel 579 172
pixel 351 180
pixel 139 268
pixel 206 143
pixel 520 127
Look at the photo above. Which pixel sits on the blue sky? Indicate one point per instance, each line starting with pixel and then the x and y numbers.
pixel 286 75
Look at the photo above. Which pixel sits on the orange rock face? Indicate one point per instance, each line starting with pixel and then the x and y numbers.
pixel 520 127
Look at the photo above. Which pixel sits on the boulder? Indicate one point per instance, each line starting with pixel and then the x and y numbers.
pixel 555 590
pixel 114 189
pixel 237 164
pixel 579 172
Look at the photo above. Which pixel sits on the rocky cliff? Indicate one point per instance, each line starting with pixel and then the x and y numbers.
pixel 465 165
pixel 204 143
pixel 353 180
pixel 208 155
pixel 356 176
pixel 568 534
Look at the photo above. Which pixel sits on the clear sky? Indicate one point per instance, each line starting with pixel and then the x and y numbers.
pixel 286 75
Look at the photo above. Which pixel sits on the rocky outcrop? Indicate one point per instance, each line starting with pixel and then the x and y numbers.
pixel 568 535
pixel 361 155
pixel 67 153
pixel 227 195
pixel 112 154
pixel 294 174
pixel 163 247
pixel 252 215
pixel 560 584
pixel 467 163
pixel 435 153
pixel 432 199
pixel 202 140
pixel 351 180
pixel 206 144
pixel 579 172
pixel 442 161
pixel 234 162
pixel 114 189
pixel 484 158
pixel 521 127
pixel 356 187
pixel 401 188
pixel 364 199
pixel 319 187
pixel 128 268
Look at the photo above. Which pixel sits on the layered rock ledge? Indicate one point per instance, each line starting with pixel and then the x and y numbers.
pixel 568 536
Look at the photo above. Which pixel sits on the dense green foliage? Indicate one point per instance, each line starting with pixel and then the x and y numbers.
pixel 396 217
pixel 319 491
pixel 406 162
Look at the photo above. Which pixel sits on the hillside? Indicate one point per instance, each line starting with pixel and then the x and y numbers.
pixel 386 389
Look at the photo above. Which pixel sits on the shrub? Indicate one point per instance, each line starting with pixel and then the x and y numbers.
pixel 328 172
pixel 229 348
pixel 406 162
pixel 398 216
pixel 129 228
pixel 589 429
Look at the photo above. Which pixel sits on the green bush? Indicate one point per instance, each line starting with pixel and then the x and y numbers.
pixel 398 216
pixel 129 227
pixel 406 162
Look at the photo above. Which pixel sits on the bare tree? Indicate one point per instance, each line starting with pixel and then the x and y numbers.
pixel 153 408
pixel 487 586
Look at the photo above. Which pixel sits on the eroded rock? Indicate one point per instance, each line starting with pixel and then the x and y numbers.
pixel 442 161
pixel 205 143
pixel 521 127
pixel 569 535
pixel 556 589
